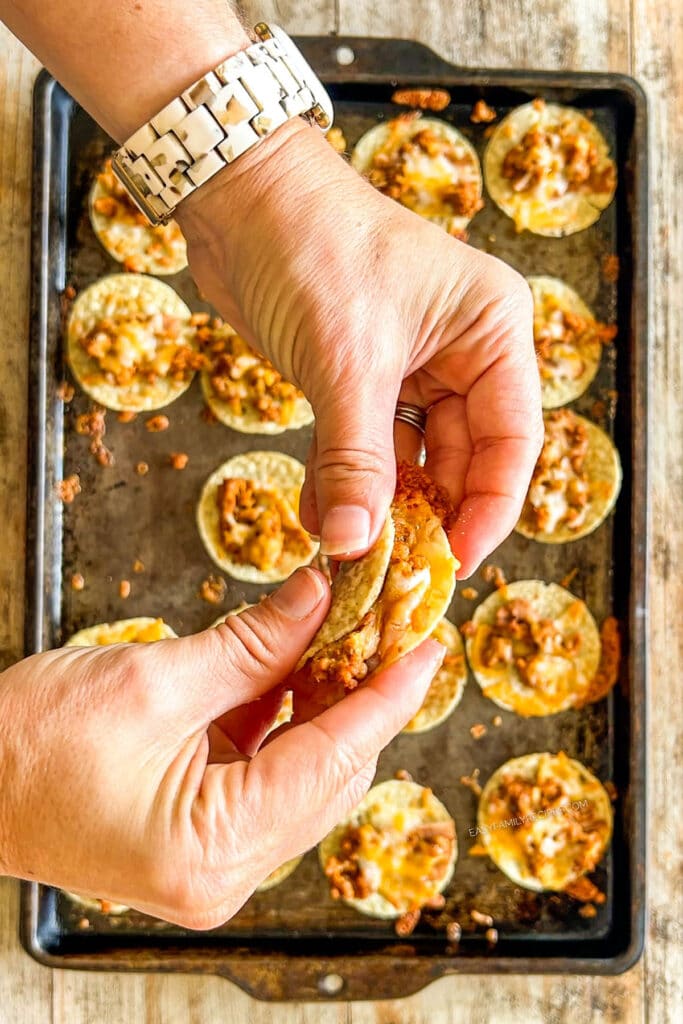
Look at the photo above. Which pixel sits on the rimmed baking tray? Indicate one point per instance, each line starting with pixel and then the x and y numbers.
pixel 294 942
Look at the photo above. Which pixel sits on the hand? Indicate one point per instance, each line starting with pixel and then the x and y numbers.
pixel 361 302
pixel 126 770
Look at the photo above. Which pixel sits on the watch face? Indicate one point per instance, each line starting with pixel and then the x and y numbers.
pixel 304 72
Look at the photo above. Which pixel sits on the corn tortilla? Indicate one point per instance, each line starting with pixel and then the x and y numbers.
pixel 447 686
pixel 121 632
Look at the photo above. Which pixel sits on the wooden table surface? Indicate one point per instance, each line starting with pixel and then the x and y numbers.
pixel 640 38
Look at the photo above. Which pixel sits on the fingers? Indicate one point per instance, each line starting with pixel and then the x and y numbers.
pixel 355 468
pixel 310 768
pixel 242 659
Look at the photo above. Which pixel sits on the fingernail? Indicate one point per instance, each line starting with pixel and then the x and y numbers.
pixel 300 595
pixel 346 529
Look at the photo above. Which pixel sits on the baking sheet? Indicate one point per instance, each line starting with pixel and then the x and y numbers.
pixel 285 942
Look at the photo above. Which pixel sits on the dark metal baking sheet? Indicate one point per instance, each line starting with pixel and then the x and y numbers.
pixel 285 943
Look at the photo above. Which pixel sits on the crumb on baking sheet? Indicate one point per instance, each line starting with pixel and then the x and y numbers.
pixel 485 920
pixel 482 113
pixel 468 628
pixel 497 721
pixel 588 910
pixel 453 931
pixel 208 415
pixel 212 589
pixel 423 99
pixel 65 391
pixel 568 579
pixel 494 574
pixel 124 589
pixel 83 924
pixel 405 924
pixel 155 424
pixel 610 268
pixel 178 460
pixel 77 581
pixel 141 468
pixel 611 790
pixel 471 782
pixel 538 104
pixel 68 488
pixel 478 850
pixel 138 565
pixel 469 593
pixel 403 775
pixel 491 936
pixel 610 659
pixel 598 409
pixel 126 416
pixel 478 730
pixel 585 891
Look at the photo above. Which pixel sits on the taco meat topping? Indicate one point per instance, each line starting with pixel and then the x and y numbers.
pixel 562 339
pixel 138 342
pixel 405 866
pixel 164 243
pixel 257 525
pixel 428 173
pixel 519 637
pixel 559 154
pixel 559 493
pixel 243 379
pixel 552 820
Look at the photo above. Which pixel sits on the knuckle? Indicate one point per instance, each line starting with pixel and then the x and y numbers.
pixel 251 638
pixel 343 465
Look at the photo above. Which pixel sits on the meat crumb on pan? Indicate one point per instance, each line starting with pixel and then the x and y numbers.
pixel 141 468
pixel 65 391
pixel 423 99
pixel 611 790
pixel 124 589
pixel 482 113
pixel 83 924
pixel 77 581
pixel 68 488
pixel 468 628
pixel 491 935
pixel 485 920
pixel 155 424
pixel 178 460
pixel 138 565
pixel 567 580
pixel 403 775
pixel 471 782
pixel 497 721
pixel 405 925
pixel 208 415
pixel 478 730
pixel 469 593
pixel 126 416
pixel 453 931
pixel 494 574
pixel 585 891
pixel 610 268
pixel 212 589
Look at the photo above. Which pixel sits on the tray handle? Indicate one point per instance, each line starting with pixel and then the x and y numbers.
pixel 344 58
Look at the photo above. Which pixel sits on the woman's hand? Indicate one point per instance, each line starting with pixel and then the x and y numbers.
pixel 127 771
pixel 361 302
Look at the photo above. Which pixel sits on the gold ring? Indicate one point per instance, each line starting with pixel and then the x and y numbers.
pixel 413 415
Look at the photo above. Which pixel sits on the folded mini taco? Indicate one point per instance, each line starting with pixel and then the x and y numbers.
pixel 129 343
pixel 127 235
pixel 534 648
pixel 447 686
pixel 140 630
pixel 548 167
pixel 394 855
pixel 426 165
pixel 248 517
pixel 568 341
pixel 575 483
pixel 544 820
pixel 241 387
pixel 387 602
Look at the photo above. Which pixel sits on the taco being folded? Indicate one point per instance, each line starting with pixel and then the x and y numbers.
pixel 385 603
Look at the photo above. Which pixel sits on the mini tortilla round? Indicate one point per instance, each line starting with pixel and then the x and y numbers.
pixel 249 421
pixel 116 297
pixel 568 679
pixel 123 631
pixel 283 474
pixel 95 905
pixel 411 805
pixel 280 874
pixel 544 214
pixel 603 469
pixel 447 686
pixel 542 832
pixel 400 130
pixel 559 390
pixel 136 245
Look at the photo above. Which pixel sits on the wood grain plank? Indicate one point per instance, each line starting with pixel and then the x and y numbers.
pixel 657 43
pixel 25 986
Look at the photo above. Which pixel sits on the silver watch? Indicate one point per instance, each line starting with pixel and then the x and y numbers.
pixel 216 119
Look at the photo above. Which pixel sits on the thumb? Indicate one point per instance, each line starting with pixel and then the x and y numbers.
pixel 355 468
pixel 244 657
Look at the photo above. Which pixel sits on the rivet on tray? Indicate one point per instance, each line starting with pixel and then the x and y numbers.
pixel 344 55
pixel 330 984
